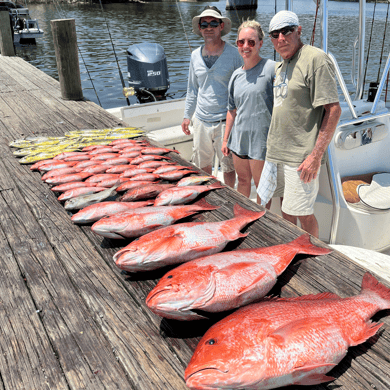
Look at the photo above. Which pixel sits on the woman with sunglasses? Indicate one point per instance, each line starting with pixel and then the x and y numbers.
pixel 250 104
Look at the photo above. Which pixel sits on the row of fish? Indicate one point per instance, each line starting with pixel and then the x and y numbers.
pixel 269 344
pixel 34 149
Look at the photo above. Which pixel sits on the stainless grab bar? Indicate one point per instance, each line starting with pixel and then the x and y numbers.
pixel 343 86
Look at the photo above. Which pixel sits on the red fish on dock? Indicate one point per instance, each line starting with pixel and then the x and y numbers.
pixel 285 341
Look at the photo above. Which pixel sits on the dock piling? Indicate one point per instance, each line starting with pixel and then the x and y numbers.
pixel 65 45
pixel 6 38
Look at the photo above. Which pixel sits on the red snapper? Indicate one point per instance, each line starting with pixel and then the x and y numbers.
pixel 224 281
pixel 285 341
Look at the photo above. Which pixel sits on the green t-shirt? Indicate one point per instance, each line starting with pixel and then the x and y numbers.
pixel 303 85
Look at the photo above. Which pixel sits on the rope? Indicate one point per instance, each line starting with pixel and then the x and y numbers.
pixel 182 22
pixel 383 42
pixel 369 46
pixel 315 23
pixel 113 49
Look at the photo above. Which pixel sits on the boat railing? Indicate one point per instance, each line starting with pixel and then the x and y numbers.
pixel 343 86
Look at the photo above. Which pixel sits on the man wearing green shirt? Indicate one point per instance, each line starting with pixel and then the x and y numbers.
pixel 305 115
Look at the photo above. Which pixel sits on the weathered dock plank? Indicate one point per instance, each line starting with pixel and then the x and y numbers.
pixel 70 319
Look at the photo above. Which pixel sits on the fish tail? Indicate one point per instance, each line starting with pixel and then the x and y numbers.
pixel 205 205
pixel 239 211
pixel 215 185
pixel 370 285
pixel 304 246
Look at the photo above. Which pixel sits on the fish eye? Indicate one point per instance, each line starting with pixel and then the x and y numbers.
pixel 211 342
pixel 169 276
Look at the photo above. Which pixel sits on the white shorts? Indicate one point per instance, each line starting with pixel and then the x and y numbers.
pixel 298 197
pixel 207 141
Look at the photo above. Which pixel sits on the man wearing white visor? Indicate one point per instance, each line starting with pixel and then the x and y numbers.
pixel 211 66
pixel 305 115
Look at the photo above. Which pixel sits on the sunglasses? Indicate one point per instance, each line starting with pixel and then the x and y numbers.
pixel 213 23
pixel 241 42
pixel 285 31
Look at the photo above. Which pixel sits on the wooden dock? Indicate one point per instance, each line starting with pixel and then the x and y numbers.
pixel 70 319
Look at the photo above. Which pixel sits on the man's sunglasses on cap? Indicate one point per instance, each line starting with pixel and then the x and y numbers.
pixel 213 23
pixel 285 31
pixel 241 42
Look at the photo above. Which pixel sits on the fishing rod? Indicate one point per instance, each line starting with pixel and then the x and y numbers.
pixel 113 48
pixel 182 22
pixel 315 24
pixel 383 41
pixel 369 45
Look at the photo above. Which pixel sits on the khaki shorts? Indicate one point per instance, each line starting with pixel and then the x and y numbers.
pixel 298 197
pixel 207 141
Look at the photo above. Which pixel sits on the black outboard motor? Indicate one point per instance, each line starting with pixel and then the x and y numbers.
pixel 148 71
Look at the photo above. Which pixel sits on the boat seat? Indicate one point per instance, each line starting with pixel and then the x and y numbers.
pixel 377 193
pixel 350 184
pixel 368 191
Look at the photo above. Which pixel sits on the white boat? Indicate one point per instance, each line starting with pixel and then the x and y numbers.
pixel 27 31
pixel 25 28
pixel 359 149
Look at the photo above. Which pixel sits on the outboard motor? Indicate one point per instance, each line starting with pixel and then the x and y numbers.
pixel 148 71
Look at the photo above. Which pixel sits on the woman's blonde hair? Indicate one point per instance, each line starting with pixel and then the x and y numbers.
pixel 252 24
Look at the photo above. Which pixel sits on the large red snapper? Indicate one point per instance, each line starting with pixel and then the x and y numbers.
pixel 182 195
pixel 224 281
pixel 135 224
pixel 285 341
pixel 100 210
pixel 183 242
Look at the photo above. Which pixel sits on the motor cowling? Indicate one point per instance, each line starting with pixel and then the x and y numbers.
pixel 147 71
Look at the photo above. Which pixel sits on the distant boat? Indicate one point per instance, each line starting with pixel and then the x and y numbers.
pixel 25 28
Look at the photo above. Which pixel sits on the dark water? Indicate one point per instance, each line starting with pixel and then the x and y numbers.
pixel 161 23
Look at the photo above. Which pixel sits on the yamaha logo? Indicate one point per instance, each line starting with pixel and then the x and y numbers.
pixel 153 73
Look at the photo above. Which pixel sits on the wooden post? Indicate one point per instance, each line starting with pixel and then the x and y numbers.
pixel 6 38
pixel 65 45
pixel 241 4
